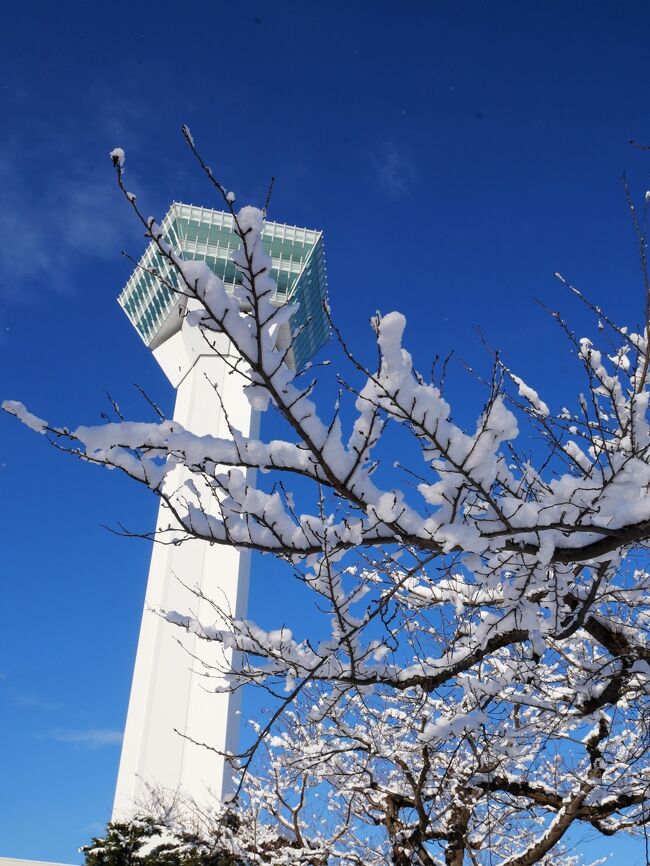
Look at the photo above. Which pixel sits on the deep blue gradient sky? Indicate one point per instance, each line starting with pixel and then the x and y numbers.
pixel 455 154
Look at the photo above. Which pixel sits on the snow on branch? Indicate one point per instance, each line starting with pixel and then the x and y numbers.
pixel 484 660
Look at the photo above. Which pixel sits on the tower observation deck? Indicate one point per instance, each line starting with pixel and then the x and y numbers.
pixel 199 233
pixel 173 704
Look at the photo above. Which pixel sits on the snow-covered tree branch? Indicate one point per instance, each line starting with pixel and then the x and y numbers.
pixel 481 684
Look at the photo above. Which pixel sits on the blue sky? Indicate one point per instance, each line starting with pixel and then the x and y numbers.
pixel 455 154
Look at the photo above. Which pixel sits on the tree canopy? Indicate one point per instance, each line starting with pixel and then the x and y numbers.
pixel 483 684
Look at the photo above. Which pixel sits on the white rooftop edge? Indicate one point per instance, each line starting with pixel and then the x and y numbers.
pixel 14 861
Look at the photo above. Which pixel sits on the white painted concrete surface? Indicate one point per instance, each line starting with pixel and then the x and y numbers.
pixel 12 861
pixel 171 693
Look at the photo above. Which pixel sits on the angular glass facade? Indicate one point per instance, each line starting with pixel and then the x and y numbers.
pixel 199 233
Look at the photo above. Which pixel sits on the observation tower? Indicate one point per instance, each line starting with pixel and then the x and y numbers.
pixel 173 705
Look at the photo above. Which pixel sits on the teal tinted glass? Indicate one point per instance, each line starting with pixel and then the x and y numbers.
pixel 201 234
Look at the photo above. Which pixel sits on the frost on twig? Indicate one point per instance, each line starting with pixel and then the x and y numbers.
pixel 481 680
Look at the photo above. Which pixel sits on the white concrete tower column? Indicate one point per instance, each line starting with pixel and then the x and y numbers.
pixel 172 691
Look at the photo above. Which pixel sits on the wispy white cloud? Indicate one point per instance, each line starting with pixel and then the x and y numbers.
pixel 22 698
pixel 31 700
pixel 91 738
pixel 62 216
pixel 395 169
pixel 61 209
pixel 55 209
